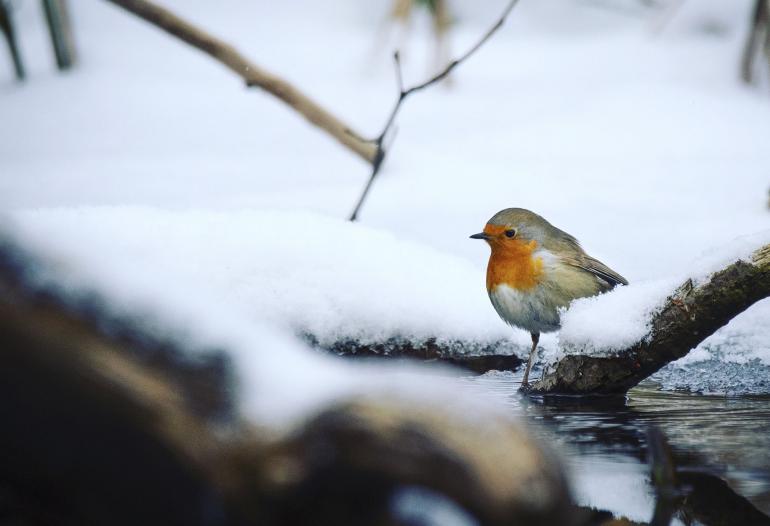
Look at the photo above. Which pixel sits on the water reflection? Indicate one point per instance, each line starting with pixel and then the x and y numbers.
pixel 603 439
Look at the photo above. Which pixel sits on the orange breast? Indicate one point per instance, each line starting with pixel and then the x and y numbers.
pixel 513 264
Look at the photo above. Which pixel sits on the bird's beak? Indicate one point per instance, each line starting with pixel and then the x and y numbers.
pixel 482 235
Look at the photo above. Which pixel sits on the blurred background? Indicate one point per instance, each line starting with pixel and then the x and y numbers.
pixel 640 127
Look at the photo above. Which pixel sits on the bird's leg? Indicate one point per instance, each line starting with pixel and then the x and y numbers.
pixel 535 340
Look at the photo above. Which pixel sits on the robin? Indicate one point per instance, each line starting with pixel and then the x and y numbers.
pixel 535 269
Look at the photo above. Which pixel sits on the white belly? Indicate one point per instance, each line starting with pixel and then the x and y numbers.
pixel 528 310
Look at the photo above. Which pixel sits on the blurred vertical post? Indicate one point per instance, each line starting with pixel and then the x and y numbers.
pixel 441 20
pixel 6 24
pixel 60 28
pixel 758 40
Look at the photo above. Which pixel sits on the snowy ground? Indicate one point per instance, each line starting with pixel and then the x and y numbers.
pixel 150 158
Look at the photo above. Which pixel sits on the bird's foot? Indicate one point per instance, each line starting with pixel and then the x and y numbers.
pixel 525 387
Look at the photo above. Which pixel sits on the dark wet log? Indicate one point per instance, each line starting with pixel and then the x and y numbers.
pixel 101 427
pixel 710 501
pixel 95 430
pixel 695 496
pixel 379 451
pixel 467 355
pixel 691 314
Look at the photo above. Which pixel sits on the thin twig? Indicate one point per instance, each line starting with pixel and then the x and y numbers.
pixel 403 94
pixel 399 77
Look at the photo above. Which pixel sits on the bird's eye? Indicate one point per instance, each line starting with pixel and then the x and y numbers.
pixel 510 233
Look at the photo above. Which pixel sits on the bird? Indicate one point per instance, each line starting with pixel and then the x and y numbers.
pixel 535 270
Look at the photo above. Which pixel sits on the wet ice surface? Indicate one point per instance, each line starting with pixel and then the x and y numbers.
pixel 716 377
pixel 603 441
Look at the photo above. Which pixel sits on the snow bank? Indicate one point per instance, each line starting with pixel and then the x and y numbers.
pixel 302 272
pixel 279 379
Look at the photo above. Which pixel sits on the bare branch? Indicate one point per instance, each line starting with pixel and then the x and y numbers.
pixel 399 76
pixel 252 74
pixel 372 151
pixel 403 94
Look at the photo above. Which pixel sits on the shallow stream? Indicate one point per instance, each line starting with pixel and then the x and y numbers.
pixel 720 445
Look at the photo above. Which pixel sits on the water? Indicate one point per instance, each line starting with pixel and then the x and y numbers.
pixel 714 439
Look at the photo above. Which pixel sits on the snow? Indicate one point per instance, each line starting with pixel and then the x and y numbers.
pixel 302 272
pixel 601 483
pixel 612 322
pixel 149 161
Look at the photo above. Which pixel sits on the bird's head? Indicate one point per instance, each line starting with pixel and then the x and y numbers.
pixel 513 229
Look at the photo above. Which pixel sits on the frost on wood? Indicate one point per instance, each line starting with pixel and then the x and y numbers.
pixel 690 315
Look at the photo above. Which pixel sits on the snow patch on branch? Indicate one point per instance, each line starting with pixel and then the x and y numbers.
pixel 611 322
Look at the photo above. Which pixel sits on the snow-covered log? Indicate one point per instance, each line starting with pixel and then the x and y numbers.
pixel 690 315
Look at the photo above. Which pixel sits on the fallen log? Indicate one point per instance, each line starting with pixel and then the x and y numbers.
pixel 691 314
pixel 471 356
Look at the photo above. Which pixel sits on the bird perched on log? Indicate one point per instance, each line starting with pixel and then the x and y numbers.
pixel 535 269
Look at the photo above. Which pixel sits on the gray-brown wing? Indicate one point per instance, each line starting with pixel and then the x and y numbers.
pixel 573 254
pixel 596 267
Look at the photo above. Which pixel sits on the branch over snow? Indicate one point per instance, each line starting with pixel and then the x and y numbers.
pixel 252 74
pixel 691 314
pixel 379 142
pixel 372 151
